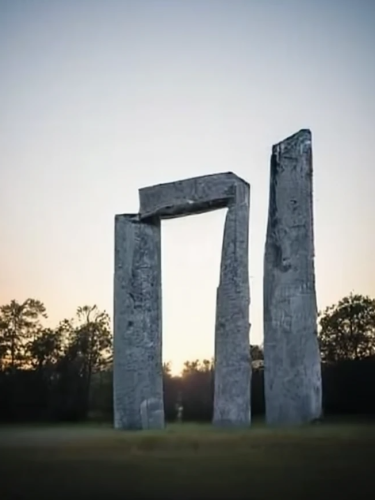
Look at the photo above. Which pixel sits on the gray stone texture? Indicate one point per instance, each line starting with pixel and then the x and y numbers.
pixel 152 413
pixel 138 392
pixel 232 353
pixel 293 387
pixel 137 371
pixel 188 196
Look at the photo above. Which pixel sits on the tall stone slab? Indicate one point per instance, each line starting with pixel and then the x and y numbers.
pixel 232 352
pixel 137 370
pixel 293 387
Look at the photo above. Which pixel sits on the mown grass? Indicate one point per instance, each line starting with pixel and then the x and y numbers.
pixel 189 462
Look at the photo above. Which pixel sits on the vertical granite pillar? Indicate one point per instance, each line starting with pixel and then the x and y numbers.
pixel 137 370
pixel 232 352
pixel 293 387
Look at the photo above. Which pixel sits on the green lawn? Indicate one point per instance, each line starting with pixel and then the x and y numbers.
pixel 188 462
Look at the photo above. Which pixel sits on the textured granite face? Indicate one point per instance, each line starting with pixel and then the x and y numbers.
pixel 293 387
pixel 138 393
pixel 137 371
pixel 188 196
pixel 232 354
pixel 152 413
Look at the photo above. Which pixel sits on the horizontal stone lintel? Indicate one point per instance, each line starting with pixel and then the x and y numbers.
pixel 136 218
pixel 189 196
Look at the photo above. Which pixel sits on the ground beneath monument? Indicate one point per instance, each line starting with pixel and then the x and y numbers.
pixel 188 461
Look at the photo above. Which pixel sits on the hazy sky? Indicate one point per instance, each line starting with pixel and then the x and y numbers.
pixel 101 97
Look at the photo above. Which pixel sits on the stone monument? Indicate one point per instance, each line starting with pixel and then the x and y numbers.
pixel 293 387
pixel 138 383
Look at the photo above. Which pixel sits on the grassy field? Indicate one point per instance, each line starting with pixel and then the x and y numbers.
pixel 188 462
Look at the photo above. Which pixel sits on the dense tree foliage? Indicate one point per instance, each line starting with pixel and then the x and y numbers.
pixel 19 324
pixel 45 372
pixel 65 373
pixel 347 329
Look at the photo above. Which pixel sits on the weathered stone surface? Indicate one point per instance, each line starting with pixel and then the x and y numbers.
pixel 189 196
pixel 138 395
pixel 232 353
pixel 152 413
pixel 293 389
pixel 137 371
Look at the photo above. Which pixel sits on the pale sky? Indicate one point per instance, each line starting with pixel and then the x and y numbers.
pixel 101 97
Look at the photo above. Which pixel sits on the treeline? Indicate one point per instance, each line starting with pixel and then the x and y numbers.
pixel 65 373
pixel 52 374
